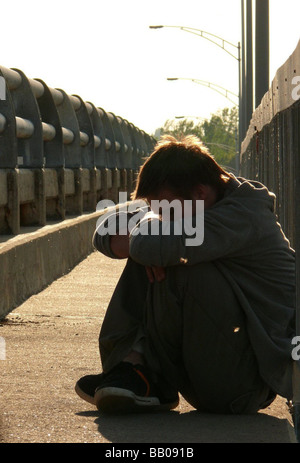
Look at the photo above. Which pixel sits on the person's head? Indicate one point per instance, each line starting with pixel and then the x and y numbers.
pixel 182 169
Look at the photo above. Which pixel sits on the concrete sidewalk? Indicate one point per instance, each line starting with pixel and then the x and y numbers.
pixel 52 339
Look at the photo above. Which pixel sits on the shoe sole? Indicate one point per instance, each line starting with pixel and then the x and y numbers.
pixel 88 398
pixel 117 400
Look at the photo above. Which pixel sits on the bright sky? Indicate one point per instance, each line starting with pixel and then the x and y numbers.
pixel 104 51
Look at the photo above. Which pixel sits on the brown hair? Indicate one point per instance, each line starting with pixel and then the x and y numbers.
pixel 179 165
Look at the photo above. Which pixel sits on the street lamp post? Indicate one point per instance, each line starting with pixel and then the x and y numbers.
pixel 227 47
pixel 262 72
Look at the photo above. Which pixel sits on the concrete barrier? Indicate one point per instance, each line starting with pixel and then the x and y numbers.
pixel 30 197
pixel 29 262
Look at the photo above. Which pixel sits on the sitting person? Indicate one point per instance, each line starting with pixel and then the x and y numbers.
pixel 211 319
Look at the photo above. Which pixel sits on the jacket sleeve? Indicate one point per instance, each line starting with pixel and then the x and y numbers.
pixel 115 221
pixel 222 231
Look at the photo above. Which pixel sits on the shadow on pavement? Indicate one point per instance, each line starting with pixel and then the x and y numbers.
pixel 192 427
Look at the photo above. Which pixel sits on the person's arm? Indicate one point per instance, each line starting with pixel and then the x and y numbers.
pixel 119 246
pixel 227 231
pixel 111 236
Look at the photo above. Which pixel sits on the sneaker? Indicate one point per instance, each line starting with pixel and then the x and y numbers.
pixel 127 389
pixel 86 386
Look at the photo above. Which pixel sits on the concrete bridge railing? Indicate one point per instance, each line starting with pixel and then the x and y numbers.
pixel 271 154
pixel 60 155
pixel 271 150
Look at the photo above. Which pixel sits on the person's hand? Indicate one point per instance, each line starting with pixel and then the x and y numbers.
pixel 155 273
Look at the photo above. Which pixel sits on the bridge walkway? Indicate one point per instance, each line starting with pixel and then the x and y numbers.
pixel 52 339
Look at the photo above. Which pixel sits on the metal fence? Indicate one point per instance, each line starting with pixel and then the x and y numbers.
pixel 271 154
pixel 58 154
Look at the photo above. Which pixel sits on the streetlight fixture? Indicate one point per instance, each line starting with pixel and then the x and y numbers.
pixel 193 117
pixel 217 88
pixel 219 41
pixel 226 46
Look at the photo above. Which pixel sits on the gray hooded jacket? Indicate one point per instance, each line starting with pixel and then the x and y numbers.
pixel 244 240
